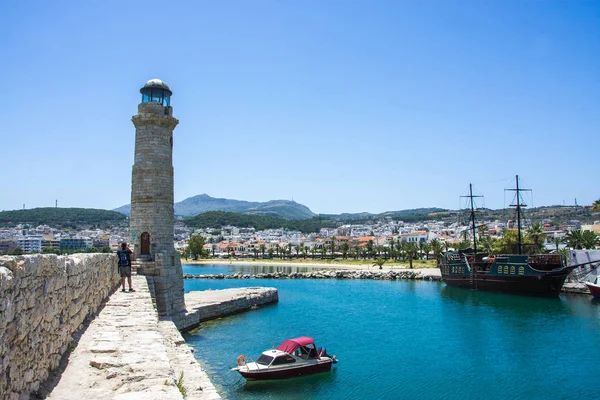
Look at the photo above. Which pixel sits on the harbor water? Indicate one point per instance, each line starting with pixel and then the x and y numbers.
pixel 406 340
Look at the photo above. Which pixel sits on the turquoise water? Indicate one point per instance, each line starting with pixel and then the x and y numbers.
pixel 408 340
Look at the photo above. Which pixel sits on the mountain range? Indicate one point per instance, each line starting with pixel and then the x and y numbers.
pixel 291 210
pixel 202 203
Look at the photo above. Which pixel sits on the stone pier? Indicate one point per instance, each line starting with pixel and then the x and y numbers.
pixel 212 304
pixel 127 352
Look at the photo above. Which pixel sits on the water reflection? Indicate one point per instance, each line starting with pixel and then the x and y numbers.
pixel 289 388
pixel 521 306
pixel 246 269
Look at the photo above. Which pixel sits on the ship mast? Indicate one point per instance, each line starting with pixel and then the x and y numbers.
pixel 471 199
pixel 519 204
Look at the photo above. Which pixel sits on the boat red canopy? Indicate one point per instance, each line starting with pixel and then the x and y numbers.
pixel 290 345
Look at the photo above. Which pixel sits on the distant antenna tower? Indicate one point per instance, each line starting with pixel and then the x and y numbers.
pixel 56 204
pixel 576 202
pixel 23 206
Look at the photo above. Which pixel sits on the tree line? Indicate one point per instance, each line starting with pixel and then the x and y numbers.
pixel 66 217
pixel 218 219
pixel 17 251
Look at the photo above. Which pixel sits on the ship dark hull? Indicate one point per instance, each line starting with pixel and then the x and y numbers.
pixel 546 285
pixel 286 373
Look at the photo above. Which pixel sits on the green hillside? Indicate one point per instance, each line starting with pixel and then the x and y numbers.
pixel 74 217
pixel 217 219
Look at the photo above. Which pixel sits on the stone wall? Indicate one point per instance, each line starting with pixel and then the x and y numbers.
pixel 44 299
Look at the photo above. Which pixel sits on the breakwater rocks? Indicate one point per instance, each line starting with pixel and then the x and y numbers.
pixel 337 274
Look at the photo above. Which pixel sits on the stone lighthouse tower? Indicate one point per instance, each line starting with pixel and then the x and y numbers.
pixel 152 218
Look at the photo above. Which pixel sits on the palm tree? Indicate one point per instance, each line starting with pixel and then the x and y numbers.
pixel 392 243
pixel 589 240
pixel 427 249
pixel 379 262
pixel 357 251
pixel 379 250
pixel 411 251
pixel 436 247
pixel 575 239
pixel 556 240
pixel 255 251
pixel 277 249
pixel 536 233
pixel 446 245
pixel 332 247
pixel 262 248
pixel 289 250
pixel 596 205
pixel 365 253
pixel 421 247
pixel 486 244
pixel 370 247
pixel 345 248
pixel 297 249
pixel 464 244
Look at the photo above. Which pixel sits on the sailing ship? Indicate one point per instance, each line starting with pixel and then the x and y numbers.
pixel 534 275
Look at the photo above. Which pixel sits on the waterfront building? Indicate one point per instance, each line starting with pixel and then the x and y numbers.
pixel 7 245
pixel 75 243
pixel 30 243
pixel 415 236
pixel 100 242
pixel 50 242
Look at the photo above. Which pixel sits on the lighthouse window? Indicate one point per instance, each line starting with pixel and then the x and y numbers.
pixel 157 95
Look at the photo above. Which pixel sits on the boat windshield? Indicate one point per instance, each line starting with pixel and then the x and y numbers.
pixel 264 359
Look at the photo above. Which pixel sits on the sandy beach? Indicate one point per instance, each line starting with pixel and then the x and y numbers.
pixel 320 265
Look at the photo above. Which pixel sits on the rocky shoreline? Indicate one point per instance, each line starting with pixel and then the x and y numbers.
pixel 337 274
pixel 392 275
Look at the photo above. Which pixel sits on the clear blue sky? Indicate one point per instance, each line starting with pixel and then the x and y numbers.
pixel 344 106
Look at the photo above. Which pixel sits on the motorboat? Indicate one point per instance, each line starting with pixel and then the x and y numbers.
pixel 594 288
pixel 292 358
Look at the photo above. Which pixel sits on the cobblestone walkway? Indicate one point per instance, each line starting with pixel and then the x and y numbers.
pixel 126 353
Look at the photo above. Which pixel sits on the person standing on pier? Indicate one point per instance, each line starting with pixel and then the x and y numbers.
pixel 125 265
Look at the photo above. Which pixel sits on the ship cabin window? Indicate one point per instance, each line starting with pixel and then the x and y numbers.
pixel 264 360
pixel 287 359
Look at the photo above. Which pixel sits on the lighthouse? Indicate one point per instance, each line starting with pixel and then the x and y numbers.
pixel 152 218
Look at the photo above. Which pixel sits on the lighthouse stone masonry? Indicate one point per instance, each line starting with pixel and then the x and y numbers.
pixel 152 217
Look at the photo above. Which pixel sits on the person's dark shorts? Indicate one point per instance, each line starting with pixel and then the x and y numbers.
pixel 125 272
